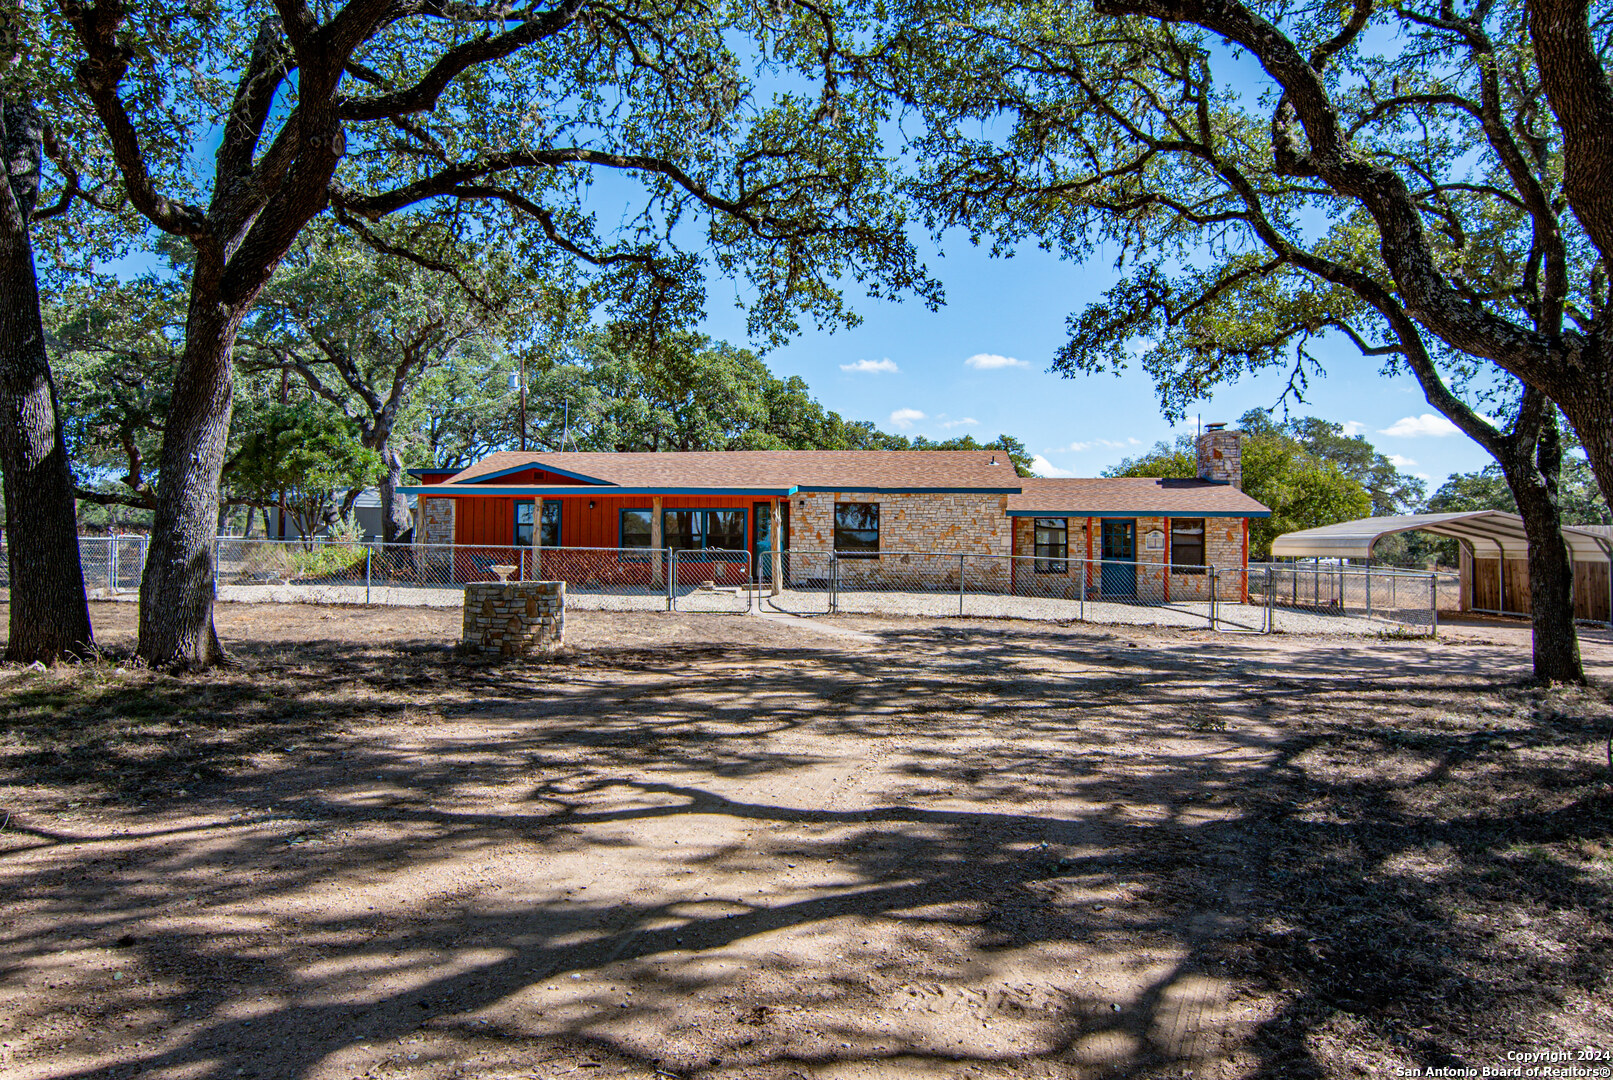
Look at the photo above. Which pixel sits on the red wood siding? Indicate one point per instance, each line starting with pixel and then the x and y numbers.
pixel 492 520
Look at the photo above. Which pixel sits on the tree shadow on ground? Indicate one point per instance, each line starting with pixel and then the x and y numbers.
pixel 1023 852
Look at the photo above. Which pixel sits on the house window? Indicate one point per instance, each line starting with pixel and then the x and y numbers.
pixel 857 530
pixel 635 530
pixel 1187 545
pixel 1052 546
pixel 551 523
pixel 704 530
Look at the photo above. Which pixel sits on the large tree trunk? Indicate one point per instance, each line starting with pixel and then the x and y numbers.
pixel 395 517
pixel 1551 569
pixel 49 616
pixel 176 594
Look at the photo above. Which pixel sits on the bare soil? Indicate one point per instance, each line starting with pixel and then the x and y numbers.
pixel 746 847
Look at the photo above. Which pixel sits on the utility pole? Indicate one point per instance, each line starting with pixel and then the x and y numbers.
pixel 523 402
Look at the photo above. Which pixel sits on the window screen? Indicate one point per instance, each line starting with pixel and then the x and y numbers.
pixel 1052 546
pixel 857 529
pixel 635 528
pixel 1187 544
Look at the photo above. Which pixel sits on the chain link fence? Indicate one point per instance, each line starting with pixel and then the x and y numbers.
pixel 1315 597
pixel 1293 597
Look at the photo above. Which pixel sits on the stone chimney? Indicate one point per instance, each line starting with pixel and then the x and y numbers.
pixel 1220 455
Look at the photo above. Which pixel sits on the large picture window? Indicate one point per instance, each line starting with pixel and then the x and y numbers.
pixel 551 523
pixel 1052 546
pixel 1187 545
pixel 857 530
pixel 703 530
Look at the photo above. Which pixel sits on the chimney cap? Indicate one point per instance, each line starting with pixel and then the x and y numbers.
pixel 1219 425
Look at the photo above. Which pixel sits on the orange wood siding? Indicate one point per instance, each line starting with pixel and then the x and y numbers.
pixel 492 520
pixel 485 521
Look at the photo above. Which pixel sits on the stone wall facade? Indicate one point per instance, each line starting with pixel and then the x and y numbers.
pixel 1224 548
pixel 971 523
pixel 514 618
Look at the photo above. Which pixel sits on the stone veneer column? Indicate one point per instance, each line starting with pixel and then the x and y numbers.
pixel 514 618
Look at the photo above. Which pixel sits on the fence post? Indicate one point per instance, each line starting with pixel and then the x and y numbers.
pixel 1369 590
pixel 1270 585
pixel 1433 604
pixel 217 565
pixel 960 585
pixel 672 575
pixel 1215 594
pixel 1085 569
pixel 834 582
pixel 367 550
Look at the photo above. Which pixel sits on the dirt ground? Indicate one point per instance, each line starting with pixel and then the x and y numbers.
pixel 747 847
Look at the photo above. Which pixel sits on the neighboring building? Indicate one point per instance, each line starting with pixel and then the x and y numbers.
pixel 1494 556
pixel 873 505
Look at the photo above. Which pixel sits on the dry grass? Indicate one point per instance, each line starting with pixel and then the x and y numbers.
pixel 729 847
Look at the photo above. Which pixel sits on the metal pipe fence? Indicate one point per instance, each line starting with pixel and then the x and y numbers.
pixel 1300 593
pixel 1260 599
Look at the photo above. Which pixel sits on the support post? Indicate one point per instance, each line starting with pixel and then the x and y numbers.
pixel 1433 604
pixel 672 573
pixel 775 530
pixel 1500 578
pixel 537 538
pixel 657 571
pixel 367 550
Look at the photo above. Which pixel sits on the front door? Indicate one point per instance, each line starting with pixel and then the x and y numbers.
pixel 1119 566
pixel 762 515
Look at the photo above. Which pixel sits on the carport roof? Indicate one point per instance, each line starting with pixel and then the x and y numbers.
pixel 1490 532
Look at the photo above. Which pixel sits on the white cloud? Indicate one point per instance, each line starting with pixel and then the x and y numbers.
pixel 1043 467
pixel 886 366
pixel 1352 427
pixel 1105 444
pixel 1415 427
pixel 991 362
pixel 963 421
pixel 905 418
pixel 1400 461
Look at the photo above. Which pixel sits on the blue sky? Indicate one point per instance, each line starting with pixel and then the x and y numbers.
pixel 980 365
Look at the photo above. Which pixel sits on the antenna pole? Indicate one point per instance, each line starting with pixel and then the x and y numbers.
pixel 523 402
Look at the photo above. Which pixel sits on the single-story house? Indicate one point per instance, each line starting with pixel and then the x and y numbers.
pixel 873 508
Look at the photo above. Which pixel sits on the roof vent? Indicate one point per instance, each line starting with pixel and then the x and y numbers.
pixel 994 459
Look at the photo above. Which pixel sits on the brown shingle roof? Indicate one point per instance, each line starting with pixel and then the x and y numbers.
pixel 840 470
pixel 1128 496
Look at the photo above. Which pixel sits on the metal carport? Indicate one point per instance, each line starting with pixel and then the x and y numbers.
pixel 1487 534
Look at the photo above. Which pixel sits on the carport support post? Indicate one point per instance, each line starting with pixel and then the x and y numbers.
pixel 775 530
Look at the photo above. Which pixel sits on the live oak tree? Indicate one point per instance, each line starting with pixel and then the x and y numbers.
pixel 362 329
pixel 724 129
pixel 49 617
pixel 1409 200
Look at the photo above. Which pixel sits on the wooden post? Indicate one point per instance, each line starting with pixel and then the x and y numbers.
pixel 657 540
pixel 537 536
pixel 775 531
